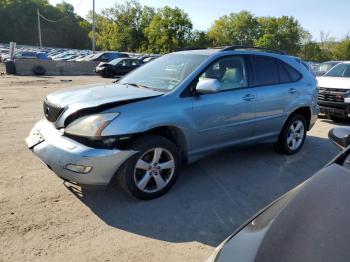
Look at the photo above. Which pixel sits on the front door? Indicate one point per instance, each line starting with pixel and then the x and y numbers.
pixel 226 117
pixel 123 67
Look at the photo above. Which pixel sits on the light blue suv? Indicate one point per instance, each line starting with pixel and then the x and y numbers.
pixel 175 110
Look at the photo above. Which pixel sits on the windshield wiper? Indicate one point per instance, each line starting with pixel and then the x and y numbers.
pixel 134 84
pixel 144 86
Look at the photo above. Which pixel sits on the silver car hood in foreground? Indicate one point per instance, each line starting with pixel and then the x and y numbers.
pixel 309 223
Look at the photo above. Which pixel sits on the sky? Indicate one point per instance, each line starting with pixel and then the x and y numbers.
pixel 331 17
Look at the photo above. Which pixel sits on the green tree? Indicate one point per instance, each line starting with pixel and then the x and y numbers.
pixel 284 33
pixel 313 52
pixel 122 27
pixel 236 28
pixel 169 30
pixel 342 50
pixel 19 24
pixel 198 39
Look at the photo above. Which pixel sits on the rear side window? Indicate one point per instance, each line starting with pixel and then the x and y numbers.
pixel 269 71
pixel 124 62
pixel 265 71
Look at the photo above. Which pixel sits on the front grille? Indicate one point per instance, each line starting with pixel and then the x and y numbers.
pixel 51 111
pixel 332 94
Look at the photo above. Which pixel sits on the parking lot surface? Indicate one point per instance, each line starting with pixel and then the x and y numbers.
pixel 43 219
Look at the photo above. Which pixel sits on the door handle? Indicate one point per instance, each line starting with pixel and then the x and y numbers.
pixel 292 91
pixel 248 97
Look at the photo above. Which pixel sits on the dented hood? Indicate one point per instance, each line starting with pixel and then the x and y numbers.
pixel 92 96
pixel 334 82
pixel 86 100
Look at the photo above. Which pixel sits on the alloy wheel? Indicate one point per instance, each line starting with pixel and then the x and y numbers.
pixel 295 135
pixel 154 170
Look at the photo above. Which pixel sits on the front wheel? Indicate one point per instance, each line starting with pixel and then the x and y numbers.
pixel 153 170
pixel 292 136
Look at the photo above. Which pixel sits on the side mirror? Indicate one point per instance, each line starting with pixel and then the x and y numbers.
pixel 340 136
pixel 208 86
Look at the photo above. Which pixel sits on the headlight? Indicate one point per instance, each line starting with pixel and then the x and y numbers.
pixel 91 125
pixel 347 97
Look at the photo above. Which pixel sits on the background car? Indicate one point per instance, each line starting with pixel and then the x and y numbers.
pixel 334 91
pixel 42 56
pixel 25 55
pixel 314 66
pixel 309 223
pixel 174 110
pixel 118 67
pixel 148 59
pixel 325 67
pixel 106 56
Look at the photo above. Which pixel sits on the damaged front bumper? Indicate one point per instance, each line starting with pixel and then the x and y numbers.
pixel 73 161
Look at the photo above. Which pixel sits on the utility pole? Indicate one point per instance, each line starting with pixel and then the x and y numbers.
pixel 39 28
pixel 93 27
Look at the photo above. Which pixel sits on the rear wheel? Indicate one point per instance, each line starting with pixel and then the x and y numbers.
pixel 337 119
pixel 10 67
pixel 292 136
pixel 39 71
pixel 153 170
pixel 108 73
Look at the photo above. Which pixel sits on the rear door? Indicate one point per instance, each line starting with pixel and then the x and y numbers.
pixel 123 67
pixel 226 117
pixel 275 89
pixel 134 63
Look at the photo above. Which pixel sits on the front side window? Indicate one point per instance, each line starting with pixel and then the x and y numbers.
pixel 340 70
pixel 164 73
pixel 115 61
pixel 229 71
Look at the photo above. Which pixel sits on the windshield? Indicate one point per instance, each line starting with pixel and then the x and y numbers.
pixel 94 56
pixel 324 67
pixel 115 61
pixel 164 73
pixel 341 70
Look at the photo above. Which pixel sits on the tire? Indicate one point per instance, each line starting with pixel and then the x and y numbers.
pixel 288 142
pixel 39 71
pixel 142 175
pixel 337 119
pixel 10 67
pixel 108 73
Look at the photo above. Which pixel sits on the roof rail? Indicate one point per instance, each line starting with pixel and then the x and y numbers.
pixel 235 47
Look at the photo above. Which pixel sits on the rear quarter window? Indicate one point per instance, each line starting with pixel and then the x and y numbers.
pixel 293 73
pixel 283 73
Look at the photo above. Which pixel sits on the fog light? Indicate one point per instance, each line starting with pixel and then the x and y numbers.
pixel 78 168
